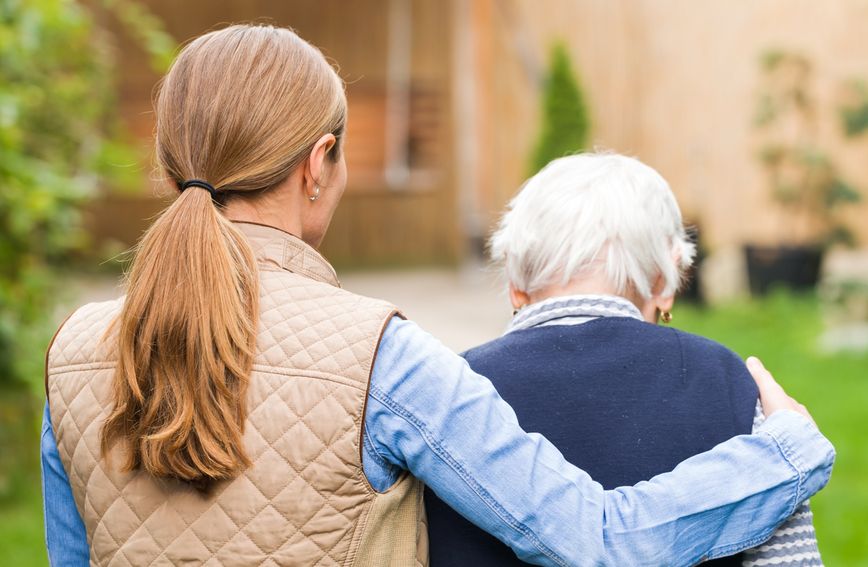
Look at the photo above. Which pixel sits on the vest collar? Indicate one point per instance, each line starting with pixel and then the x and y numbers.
pixel 274 247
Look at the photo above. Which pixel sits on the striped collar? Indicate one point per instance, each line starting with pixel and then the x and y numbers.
pixel 572 310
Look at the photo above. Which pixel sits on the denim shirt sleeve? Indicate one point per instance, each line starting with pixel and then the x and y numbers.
pixel 65 536
pixel 794 543
pixel 428 413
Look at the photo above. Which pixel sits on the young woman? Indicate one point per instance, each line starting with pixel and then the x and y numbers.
pixel 238 408
pixel 594 249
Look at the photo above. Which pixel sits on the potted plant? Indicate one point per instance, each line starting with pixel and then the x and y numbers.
pixel 692 289
pixel 804 180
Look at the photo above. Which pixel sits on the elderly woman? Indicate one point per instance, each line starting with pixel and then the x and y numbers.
pixel 594 250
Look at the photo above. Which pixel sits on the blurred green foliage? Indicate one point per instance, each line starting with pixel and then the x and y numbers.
pixel 23 541
pixel 60 141
pixel 565 122
pixel 53 110
pixel 854 113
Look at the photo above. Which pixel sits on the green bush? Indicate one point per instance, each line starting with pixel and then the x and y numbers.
pixel 565 123
pixel 58 134
pixel 59 141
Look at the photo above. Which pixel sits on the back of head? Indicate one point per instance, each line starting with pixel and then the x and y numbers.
pixel 594 213
pixel 240 108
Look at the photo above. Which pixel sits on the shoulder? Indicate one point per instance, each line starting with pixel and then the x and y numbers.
pixel 402 335
pixel 410 359
pixel 698 349
pixel 285 296
pixel 81 336
pixel 711 362
pixel 92 312
pixel 602 333
pixel 694 348
pixel 84 329
pixel 373 303
pixel 491 348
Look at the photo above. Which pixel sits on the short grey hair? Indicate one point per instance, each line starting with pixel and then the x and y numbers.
pixel 590 212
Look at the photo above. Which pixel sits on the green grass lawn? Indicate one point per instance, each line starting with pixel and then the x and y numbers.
pixel 782 331
pixel 22 543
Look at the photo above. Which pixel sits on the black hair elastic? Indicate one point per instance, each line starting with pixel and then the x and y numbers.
pixel 200 184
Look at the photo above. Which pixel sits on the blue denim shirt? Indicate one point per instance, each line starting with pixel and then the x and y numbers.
pixel 429 414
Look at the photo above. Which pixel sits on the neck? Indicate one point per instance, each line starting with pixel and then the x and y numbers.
pixel 280 207
pixel 239 210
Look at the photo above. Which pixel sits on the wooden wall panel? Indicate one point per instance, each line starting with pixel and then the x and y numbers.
pixel 375 224
pixel 674 82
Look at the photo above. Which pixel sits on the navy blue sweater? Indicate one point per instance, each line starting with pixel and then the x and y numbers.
pixel 622 399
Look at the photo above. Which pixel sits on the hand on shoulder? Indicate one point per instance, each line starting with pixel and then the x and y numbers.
pixel 772 395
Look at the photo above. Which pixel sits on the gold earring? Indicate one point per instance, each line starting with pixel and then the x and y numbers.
pixel 666 316
pixel 315 193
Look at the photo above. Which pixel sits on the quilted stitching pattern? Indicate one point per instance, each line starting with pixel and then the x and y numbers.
pixel 301 500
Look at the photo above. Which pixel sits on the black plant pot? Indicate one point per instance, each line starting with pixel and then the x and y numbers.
pixel 692 289
pixel 793 267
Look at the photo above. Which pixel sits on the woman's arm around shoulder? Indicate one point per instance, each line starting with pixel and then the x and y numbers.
pixel 65 535
pixel 794 543
pixel 430 414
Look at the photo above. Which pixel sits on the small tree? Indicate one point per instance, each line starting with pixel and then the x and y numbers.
pixel 565 122
pixel 804 179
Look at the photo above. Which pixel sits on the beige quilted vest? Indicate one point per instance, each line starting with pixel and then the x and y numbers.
pixel 305 500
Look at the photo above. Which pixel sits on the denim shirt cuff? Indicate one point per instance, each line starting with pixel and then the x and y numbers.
pixel 804 448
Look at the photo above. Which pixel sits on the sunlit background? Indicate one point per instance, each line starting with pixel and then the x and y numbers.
pixel 755 112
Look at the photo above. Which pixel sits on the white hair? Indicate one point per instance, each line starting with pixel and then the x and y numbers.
pixel 594 213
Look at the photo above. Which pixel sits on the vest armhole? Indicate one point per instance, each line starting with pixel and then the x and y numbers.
pixel 386 321
pixel 48 351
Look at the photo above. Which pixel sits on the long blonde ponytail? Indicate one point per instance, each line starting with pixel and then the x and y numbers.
pixel 240 108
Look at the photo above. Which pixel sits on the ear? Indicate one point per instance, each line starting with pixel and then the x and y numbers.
pixel 314 173
pixel 517 297
pixel 665 303
pixel 657 303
